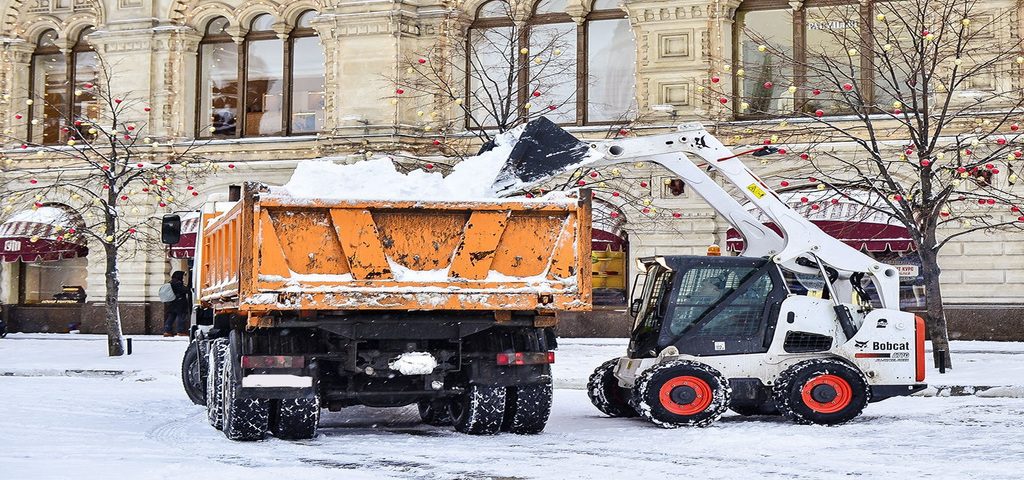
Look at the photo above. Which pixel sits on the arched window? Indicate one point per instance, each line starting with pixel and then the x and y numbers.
pixel 307 77
pixel 56 88
pixel 218 82
pixel 282 80
pixel 572 74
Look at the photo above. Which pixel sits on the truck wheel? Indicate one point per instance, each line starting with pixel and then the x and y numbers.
pixel 479 411
pixel 295 418
pixel 245 419
pixel 681 393
pixel 606 394
pixel 215 398
pixel 192 374
pixel 527 408
pixel 825 391
pixel 435 412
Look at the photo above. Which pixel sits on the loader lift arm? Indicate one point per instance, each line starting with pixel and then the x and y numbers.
pixel 801 238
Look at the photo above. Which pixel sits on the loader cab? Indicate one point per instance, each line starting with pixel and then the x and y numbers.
pixel 706 306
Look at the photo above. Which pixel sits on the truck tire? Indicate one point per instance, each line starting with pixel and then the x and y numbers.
pixel 245 419
pixel 192 374
pixel 606 394
pixel 295 418
pixel 478 411
pixel 215 399
pixel 435 412
pixel 824 391
pixel 527 408
pixel 681 393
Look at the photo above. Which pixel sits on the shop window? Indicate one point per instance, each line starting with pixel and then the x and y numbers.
pixel 45 282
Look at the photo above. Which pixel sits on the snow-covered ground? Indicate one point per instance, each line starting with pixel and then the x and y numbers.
pixel 68 414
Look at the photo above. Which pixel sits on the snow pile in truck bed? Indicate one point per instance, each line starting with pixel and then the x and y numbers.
pixel 378 179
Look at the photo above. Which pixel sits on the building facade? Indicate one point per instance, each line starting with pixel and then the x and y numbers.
pixel 267 83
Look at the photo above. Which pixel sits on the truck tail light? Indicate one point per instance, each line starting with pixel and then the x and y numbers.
pixel 273 361
pixel 525 358
pixel 919 331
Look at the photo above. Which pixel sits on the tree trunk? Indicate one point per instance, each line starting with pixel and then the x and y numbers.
pixel 935 315
pixel 115 339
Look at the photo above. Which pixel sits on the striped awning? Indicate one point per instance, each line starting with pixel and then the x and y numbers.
pixel 43 234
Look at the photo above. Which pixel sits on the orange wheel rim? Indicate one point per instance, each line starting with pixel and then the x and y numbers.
pixel 698 395
pixel 843 393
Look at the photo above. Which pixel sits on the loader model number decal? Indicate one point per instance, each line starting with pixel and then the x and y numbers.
pixel 756 190
pixel 886 351
pixel 700 142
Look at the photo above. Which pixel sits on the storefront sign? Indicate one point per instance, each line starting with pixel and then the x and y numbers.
pixel 907 271
pixel 12 246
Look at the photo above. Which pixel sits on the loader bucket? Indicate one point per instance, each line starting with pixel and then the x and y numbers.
pixel 543 151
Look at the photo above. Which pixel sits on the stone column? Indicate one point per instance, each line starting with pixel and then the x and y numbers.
pixel 678 44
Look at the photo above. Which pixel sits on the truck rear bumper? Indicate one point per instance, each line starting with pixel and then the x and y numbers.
pixel 263 380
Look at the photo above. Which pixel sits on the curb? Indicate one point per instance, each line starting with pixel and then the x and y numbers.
pixel 984 391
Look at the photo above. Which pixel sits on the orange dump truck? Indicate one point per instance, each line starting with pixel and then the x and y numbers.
pixel 308 304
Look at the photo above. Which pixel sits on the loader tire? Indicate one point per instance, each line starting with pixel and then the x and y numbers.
pixel 606 394
pixel 479 411
pixel 527 408
pixel 192 377
pixel 681 393
pixel 295 418
pixel 435 412
pixel 824 391
pixel 215 399
pixel 245 419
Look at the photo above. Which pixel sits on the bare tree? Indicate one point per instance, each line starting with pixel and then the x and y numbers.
pixel 106 171
pixel 925 95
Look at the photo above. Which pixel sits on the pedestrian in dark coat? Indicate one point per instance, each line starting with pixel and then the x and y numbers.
pixel 176 312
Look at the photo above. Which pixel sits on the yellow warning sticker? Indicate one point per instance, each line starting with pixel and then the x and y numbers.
pixel 756 190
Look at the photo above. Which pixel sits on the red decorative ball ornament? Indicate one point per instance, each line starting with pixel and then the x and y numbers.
pixel 38 204
pixel 1018 153
pixel 17 116
pixel 784 183
pixel 195 194
pixel 897 197
pixel 924 33
pixel 782 151
pixel 162 204
pixel 812 179
pixel 768 85
pixel 167 167
pixel 231 165
pixel 593 174
pixel 1014 127
pixel 723 100
pixel 153 181
pixel 643 184
pixel 968 151
pixel 677 214
pixel 981 201
pixel 131 230
pixel 118 101
pixel 804 156
pixel 24 146
pixel 908 152
pixel 623 131
pixel 1020 219
pixel 816 91
pixel 1014 209
pixel 815 206
pixel 991 201
pixel 552 107
pixel 646 210
pixel 944 214
pixel 536 93
pixel 33 181
pixel 146 109
pixel 835 201
pixel 105 168
pixel 615 215
pixel 1001 141
pixel 130 127
pixel 804 199
pixel 124 197
pixel 715 79
pixel 581 183
pixel 422 61
pixel 896 111
pixel 961 169
pixel 139 165
pixel 848 87
pixel 87 85
pixel 399 91
pixel 429 166
pixel 995 171
pixel 926 162
pixel 989 166
pixel 615 194
pixel 819 113
pixel 190 187
pixel 529 195
pixel 437 142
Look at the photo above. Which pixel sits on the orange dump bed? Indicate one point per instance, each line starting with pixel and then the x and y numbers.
pixel 274 252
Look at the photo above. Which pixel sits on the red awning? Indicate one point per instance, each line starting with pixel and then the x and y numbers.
pixel 44 234
pixel 186 246
pixel 602 241
pixel 842 217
